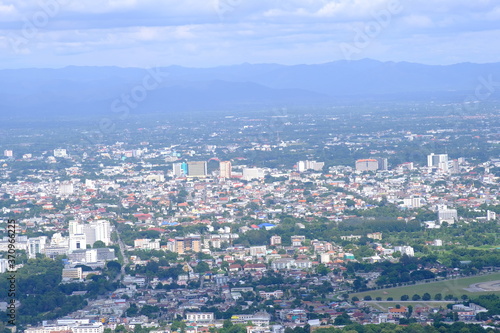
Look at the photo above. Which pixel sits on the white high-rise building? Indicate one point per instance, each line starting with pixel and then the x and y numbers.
pixel 60 153
pixel 66 188
pixel 446 214
pixel 413 202
pixel 77 242
pixel 253 173
pixel 102 231
pixel 367 164
pixel 4 264
pixel 99 230
pixel 491 215
pixel 439 161
pixel 310 165
pixel 36 245
pixel 75 227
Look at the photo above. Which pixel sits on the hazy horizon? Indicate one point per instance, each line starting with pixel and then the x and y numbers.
pixel 257 63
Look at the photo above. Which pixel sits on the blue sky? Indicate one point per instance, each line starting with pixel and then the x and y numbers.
pixel 205 33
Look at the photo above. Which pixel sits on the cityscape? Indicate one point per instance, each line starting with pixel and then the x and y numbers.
pixel 230 230
pixel 238 166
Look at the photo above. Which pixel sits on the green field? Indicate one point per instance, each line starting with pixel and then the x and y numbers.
pixel 454 287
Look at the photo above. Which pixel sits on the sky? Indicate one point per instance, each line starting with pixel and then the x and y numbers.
pixel 206 33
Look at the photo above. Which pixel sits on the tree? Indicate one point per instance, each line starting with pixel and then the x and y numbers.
pixel 415 297
pixel 132 310
pixel 343 319
pixel 438 297
pixel 405 297
pixel 426 297
pixel 98 244
pixel 321 269
pixel 202 267
pixel 410 311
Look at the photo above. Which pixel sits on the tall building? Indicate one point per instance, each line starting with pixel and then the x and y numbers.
pixel 4 264
pixel 197 169
pixel 77 242
pixel 66 188
pixel 187 244
pixel 180 169
pixel 413 202
pixel 8 153
pixel 310 165
pixel 446 214
pixel 102 231
pixel 383 163
pixel 369 164
pixel 225 169
pixel 99 230
pixel 75 227
pixel 253 173
pixel 439 161
pixel 36 245
pixel 179 245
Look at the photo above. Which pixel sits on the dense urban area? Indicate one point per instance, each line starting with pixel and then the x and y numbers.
pixel 344 219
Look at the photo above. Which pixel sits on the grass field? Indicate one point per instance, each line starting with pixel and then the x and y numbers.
pixel 453 287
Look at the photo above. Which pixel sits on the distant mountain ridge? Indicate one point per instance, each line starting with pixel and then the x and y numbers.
pixel 92 90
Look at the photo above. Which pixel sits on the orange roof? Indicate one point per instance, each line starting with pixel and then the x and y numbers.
pixel 400 310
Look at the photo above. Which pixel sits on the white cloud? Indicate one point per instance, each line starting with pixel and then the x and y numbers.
pixel 285 31
pixel 417 21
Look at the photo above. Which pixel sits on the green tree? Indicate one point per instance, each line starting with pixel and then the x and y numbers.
pixel 202 267
pixel 342 319
pixel 98 244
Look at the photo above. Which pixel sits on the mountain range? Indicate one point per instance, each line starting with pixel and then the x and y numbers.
pixel 98 90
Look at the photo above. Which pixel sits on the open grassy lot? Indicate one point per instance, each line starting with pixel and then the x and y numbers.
pixel 453 287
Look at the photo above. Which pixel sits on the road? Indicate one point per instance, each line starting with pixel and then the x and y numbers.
pixel 125 258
